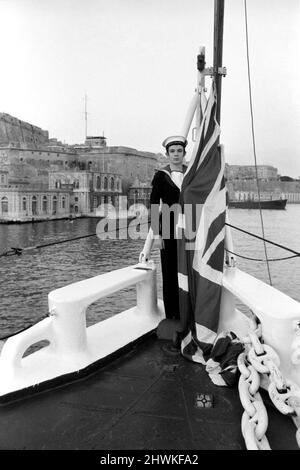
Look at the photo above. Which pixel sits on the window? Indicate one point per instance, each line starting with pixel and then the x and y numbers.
pixel 63 202
pixel 105 183
pixel 112 184
pixel 24 204
pixel 45 204
pixel 34 205
pixel 54 205
pixel 2 179
pixel 98 183
pixel 4 205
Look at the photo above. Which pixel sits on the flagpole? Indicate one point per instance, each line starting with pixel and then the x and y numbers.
pixel 218 52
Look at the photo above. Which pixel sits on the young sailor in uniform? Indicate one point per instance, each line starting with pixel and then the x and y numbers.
pixel 166 185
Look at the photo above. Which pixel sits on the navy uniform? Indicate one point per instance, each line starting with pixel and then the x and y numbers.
pixel 166 186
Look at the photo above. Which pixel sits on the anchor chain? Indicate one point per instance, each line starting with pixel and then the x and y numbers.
pixel 259 366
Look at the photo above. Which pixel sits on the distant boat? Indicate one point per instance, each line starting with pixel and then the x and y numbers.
pixel 255 204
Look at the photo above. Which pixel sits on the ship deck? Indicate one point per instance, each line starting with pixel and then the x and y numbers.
pixel 146 399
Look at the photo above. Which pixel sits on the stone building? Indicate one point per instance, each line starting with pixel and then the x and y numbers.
pixel 139 193
pixel 15 130
pixel 130 162
pixel 34 166
pixel 248 172
pixel 20 203
pixel 88 189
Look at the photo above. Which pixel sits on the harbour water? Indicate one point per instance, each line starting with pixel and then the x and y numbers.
pixel 26 280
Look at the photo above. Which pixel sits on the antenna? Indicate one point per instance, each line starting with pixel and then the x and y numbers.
pixel 85 114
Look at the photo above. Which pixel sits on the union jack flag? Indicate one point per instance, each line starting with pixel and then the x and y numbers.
pixel 201 236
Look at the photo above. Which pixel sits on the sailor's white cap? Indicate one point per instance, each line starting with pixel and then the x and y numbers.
pixel 173 140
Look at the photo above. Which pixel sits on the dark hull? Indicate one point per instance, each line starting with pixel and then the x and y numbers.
pixel 275 204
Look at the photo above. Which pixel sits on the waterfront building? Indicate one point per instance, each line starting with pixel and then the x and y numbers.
pixel 89 174
pixel 248 172
pixel 20 203
pixel 139 193
pixel 89 189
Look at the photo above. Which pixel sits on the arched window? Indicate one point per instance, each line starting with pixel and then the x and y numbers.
pixel 63 202
pixel 24 204
pixel 54 205
pixel 112 184
pixel 45 204
pixel 105 182
pixel 98 182
pixel 4 205
pixel 34 205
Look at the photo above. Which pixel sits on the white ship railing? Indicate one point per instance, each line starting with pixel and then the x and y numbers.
pixel 278 314
pixel 72 346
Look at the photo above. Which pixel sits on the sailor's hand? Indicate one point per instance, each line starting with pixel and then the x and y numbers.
pixel 144 257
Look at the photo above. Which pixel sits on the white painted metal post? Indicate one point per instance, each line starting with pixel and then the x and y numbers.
pixel 190 115
pixel 146 293
pixel 230 258
pixel 69 327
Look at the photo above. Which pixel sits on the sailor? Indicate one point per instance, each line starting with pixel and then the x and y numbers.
pixel 166 185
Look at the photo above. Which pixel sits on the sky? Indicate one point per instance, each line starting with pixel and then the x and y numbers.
pixel 136 62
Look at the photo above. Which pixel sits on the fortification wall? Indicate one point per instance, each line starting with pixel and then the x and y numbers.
pixel 15 130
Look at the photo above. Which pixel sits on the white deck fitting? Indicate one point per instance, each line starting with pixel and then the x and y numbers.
pixel 73 346
pixel 277 312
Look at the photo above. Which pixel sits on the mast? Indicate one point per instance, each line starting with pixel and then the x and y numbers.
pixel 218 52
pixel 85 114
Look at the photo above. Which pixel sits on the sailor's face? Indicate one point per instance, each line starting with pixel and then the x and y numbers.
pixel 176 153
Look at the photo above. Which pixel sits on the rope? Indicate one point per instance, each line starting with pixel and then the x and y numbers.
pixel 18 251
pixel 253 139
pixel 257 259
pixel 265 239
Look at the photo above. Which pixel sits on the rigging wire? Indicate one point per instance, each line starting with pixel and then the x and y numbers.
pixel 19 251
pixel 262 260
pixel 253 137
pixel 265 239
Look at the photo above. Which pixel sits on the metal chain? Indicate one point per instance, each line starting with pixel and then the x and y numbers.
pixel 255 417
pixel 256 364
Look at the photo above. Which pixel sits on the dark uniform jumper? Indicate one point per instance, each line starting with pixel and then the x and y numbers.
pixel 166 191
